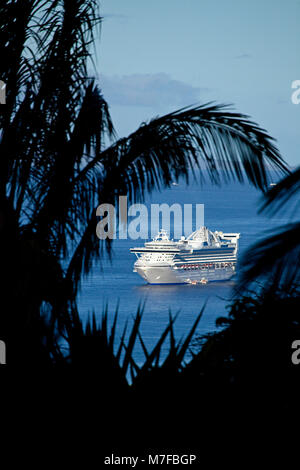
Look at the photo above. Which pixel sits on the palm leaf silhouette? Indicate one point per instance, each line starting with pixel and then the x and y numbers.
pixel 278 255
pixel 277 197
pixel 60 158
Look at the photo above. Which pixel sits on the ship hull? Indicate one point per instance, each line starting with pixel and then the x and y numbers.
pixel 159 275
pixel 171 275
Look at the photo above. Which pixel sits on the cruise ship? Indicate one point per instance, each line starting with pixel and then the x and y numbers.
pixel 201 257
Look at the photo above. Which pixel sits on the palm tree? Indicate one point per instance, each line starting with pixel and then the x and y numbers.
pixel 277 256
pixel 56 164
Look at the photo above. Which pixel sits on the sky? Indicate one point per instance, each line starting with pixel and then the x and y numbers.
pixel 157 56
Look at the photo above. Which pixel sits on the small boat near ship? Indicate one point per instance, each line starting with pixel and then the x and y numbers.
pixel 194 283
pixel 202 257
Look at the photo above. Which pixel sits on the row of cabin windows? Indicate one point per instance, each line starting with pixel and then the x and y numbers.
pixel 208 266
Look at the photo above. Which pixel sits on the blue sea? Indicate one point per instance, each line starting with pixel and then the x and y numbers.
pixel 230 208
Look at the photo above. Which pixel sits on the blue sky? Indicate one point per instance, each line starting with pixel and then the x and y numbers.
pixel 157 56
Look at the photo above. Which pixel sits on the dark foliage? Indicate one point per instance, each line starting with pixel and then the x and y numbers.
pixel 56 165
pixel 277 257
pixel 59 160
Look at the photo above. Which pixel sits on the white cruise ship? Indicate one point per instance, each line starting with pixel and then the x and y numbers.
pixel 202 257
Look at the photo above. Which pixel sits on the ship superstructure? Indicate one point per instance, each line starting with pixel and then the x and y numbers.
pixel 201 257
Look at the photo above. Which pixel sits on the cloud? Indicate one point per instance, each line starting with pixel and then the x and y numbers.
pixel 151 90
pixel 244 56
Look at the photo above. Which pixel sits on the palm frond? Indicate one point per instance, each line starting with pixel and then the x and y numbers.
pixel 87 249
pixel 277 257
pixel 281 194
pixel 58 181
pixel 209 137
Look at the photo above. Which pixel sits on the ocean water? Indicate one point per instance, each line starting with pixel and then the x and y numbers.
pixel 230 208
